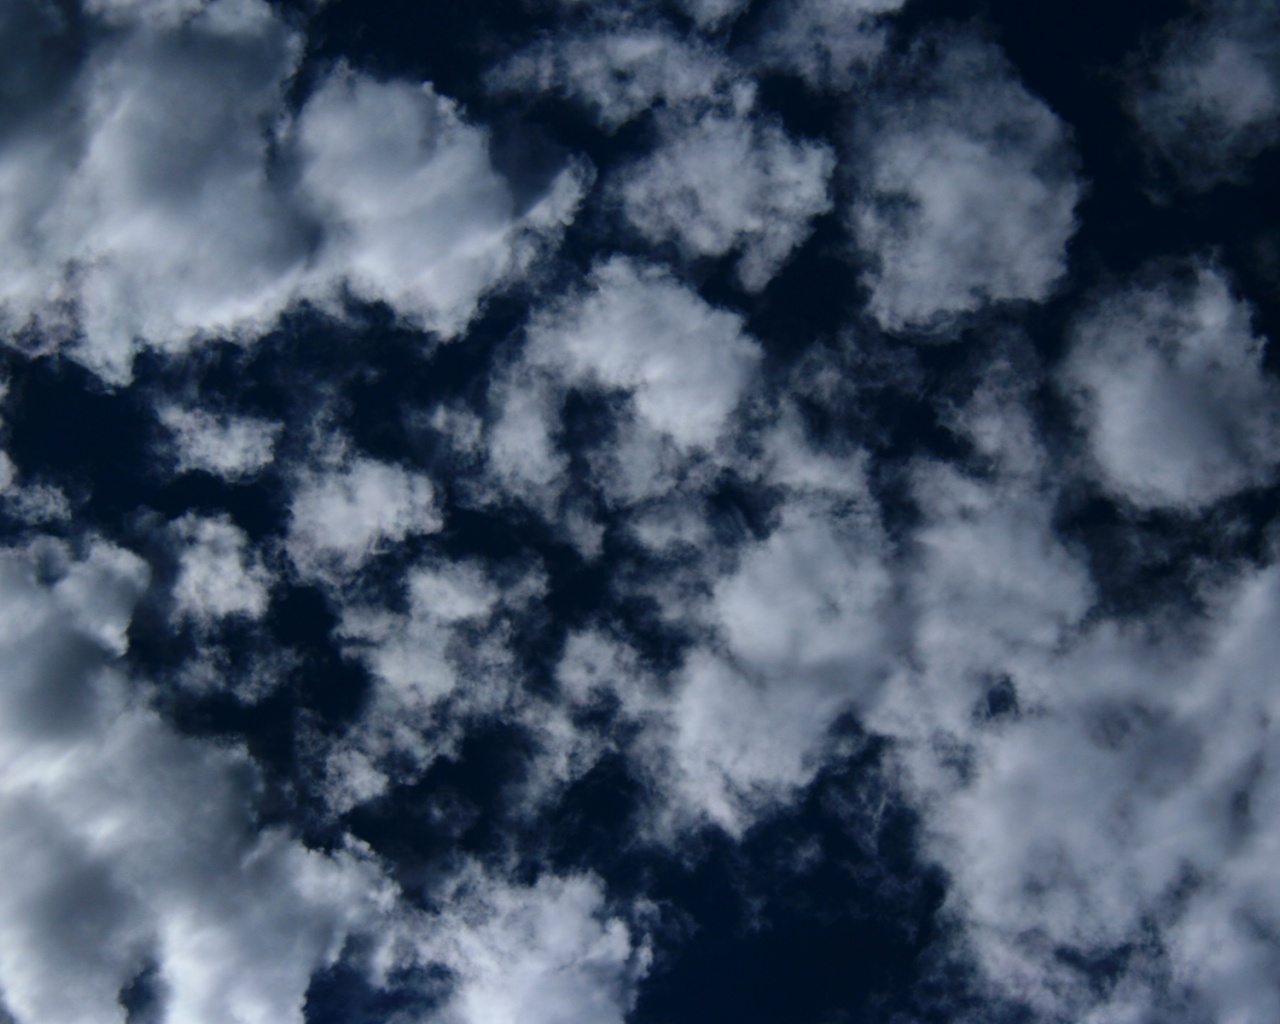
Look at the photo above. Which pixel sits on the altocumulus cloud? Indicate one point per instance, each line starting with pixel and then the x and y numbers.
pixel 527 514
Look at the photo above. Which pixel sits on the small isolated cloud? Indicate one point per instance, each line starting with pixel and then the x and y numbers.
pixel 828 43
pixel 1211 101
pixel 341 516
pixel 1167 380
pixel 726 183
pixel 232 447
pixel 620 72
pixel 218 574
pixel 966 189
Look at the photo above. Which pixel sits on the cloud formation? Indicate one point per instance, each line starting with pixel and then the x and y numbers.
pixel 163 193
pixel 1169 385
pixel 966 189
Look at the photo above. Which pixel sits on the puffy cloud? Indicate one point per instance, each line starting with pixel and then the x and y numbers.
pixel 163 194
pixel 636 329
pixel 801 620
pixel 134 852
pixel 217 575
pixel 1168 382
pixel 1129 815
pixel 827 42
pixel 549 953
pixel 416 215
pixel 341 516
pixel 232 447
pixel 620 72
pixel 439 664
pixel 673 367
pixel 967 191
pixel 1211 102
pixel 727 183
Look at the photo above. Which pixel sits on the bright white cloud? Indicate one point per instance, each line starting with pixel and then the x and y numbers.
pixel 550 953
pixel 802 622
pixel 148 209
pixel 1169 384
pixel 725 183
pixel 417 217
pixel 635 329
pixel 129 847
pixel 967 192
pixel 437 666
pixel 1212 100
pixel 218 576
pixel 232 447
pixel 341 516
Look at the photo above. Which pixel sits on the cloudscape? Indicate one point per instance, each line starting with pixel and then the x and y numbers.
pixel 652 512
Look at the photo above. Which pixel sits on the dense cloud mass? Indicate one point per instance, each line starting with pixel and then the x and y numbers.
pixel 551 513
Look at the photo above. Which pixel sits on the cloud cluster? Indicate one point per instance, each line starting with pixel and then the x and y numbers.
pixel 133 852
pixel 163 193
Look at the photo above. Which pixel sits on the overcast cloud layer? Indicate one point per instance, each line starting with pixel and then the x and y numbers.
pixel 661 512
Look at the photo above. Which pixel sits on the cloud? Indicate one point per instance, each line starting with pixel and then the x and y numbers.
pixel 549 953
pixel 232 447
pixel 966 190
pixel 727 183
pixel 217 576
pixel 1211 101
pixel 132 850
pixel 417 216
pixel 341 516
pixel 622 71
pixel 828 43
pixel 1128 814
pixel 684 363
pixel 163 194
pixel 438 665
pixel 1168 382
pixel 670 368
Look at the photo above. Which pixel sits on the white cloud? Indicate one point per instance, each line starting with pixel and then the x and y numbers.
pixel 130 847
pixel 1211 102
pixel 416 215
pixel 150 207
pixel 1169 384
pixel 550 953
pixel 967 191
pixel 620 72
pixel 438 665
pixel 827 42
pixel 232 447
pixel 685 363
pixel 725 183
pixel 804 641
pixel 341 516
pixel 1135 806
pixel 218 576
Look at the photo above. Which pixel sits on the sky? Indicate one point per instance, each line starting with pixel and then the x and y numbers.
pixel 658 512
